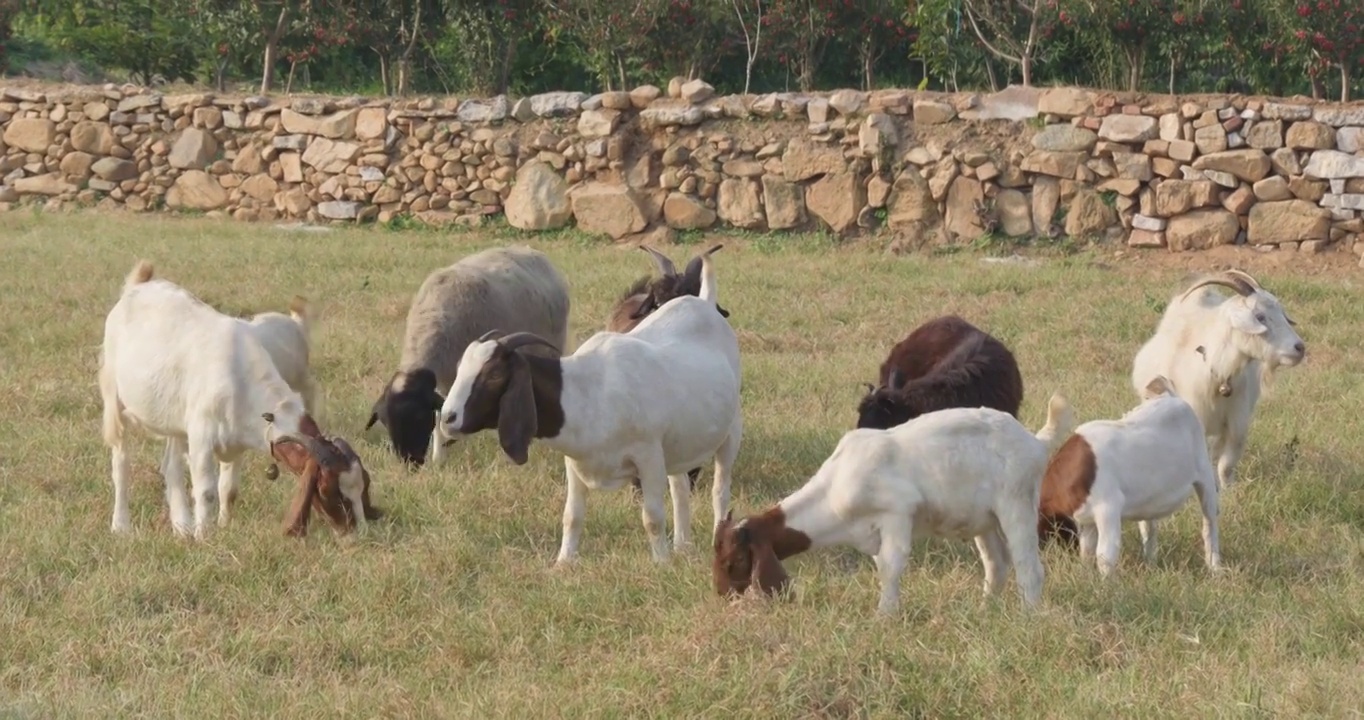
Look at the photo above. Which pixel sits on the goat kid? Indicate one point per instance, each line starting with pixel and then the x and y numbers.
pixel 174 367
pixel 945 362
pixel 1141 467
pixel 340 494
pixel 652 403
pixel 1215 351
pixel 954 473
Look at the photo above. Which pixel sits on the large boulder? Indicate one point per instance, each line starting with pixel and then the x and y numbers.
pixel 539 199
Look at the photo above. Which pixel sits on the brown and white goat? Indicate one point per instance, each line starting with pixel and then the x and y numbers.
pixel 339 489
pixel 1142 466
pixel 955 473
pixel 649 293
pixel 944 363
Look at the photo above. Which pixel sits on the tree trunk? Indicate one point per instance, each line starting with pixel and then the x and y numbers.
pixel 1134 59
pixel 1345 68
pixel 1026 65
pixel 289 83
pixel 220 74
pixel 267 80
pixel 1172 73
pixel 385 78
pixel 990 73
pixel 1318 87
pixel 504 73
pixel 405 62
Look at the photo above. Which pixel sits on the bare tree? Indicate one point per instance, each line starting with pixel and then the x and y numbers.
pixel 753 39
pixel 1004 21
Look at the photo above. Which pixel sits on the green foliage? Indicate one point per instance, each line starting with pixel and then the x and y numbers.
pixel 486 47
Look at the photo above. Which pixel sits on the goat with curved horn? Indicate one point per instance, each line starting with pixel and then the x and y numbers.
pixel 518 340
pixel 664 263
pixel 1242 288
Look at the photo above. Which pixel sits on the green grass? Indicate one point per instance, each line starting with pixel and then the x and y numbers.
pixel 449 608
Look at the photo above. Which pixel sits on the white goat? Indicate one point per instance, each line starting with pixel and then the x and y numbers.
pixel 1141 467
pixel 287 339
pixel 1214 350
pixel 179 369
pixel 652 403
pixel 955 473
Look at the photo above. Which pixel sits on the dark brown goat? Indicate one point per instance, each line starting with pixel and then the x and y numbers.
pixel 649 293
pixel 330 485
pixel 944 363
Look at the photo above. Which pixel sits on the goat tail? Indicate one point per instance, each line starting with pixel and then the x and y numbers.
pixel 112 420
pixel 1060 423
pixel 141 272
pixel 710 290
pixel 298 310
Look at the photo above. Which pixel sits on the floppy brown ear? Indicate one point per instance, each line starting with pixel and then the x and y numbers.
pixel 302 507
pixel 644 307
pixel 516 421
pixel 372 513
pixel 768 573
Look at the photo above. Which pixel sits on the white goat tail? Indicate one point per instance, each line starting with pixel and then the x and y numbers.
pixel 710 288
pixel 1060 423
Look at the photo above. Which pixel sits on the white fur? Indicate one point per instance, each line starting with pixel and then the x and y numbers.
pixel 955 473
pixel 1148 464
pixel 652 403
pixel 1241 337
pixel 286 339
pixel 176 368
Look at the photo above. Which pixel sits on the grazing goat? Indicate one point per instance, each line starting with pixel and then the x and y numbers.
pixel 287 339
pixel 652 403
pixel 1140 467
pixel 340 494
pixel 515 289
pixel 175 367
pixel 954 473
pixel 648 294
pixel 1214 350
pixel 944 363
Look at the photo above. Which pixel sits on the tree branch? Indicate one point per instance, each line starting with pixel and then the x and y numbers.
pixel 1003 55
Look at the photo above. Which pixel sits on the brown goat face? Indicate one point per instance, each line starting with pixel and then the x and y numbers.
pixel 879 410
pixel 743 558
pixel 327 488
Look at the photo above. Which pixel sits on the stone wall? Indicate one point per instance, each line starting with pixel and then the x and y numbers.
pixel 1185 173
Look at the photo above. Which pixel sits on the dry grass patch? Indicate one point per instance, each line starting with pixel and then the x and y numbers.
pixel 448 608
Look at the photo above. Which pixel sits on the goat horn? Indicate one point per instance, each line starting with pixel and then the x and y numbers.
pixel 665 265
pixel 1244 276
pixel 521 339
pixel 714 248
pixel 490 335
pixel 1235 283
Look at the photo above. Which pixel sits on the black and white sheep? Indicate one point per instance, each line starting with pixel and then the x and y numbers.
pixel 514 289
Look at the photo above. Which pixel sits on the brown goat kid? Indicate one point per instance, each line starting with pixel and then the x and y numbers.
pixel 944 363
pixel 337 485
pixel 648 294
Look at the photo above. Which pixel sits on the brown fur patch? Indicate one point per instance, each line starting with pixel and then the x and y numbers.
pixel 1065 487
pixel 518 393
pixel 320 487
pixel 750 552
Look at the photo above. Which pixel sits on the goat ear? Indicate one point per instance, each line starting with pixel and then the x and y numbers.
pixel 644 307
pixel 377 409
pixel 304 497
pixel 1243 319
pixel 436 400
pixel 723 312
pixel 896 380
pixel 516 421
pixel 372 513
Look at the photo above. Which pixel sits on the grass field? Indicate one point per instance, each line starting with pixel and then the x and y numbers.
pixel 449 608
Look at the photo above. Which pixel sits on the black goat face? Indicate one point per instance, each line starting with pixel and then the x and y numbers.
pixel 407 409
pixel 880 410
